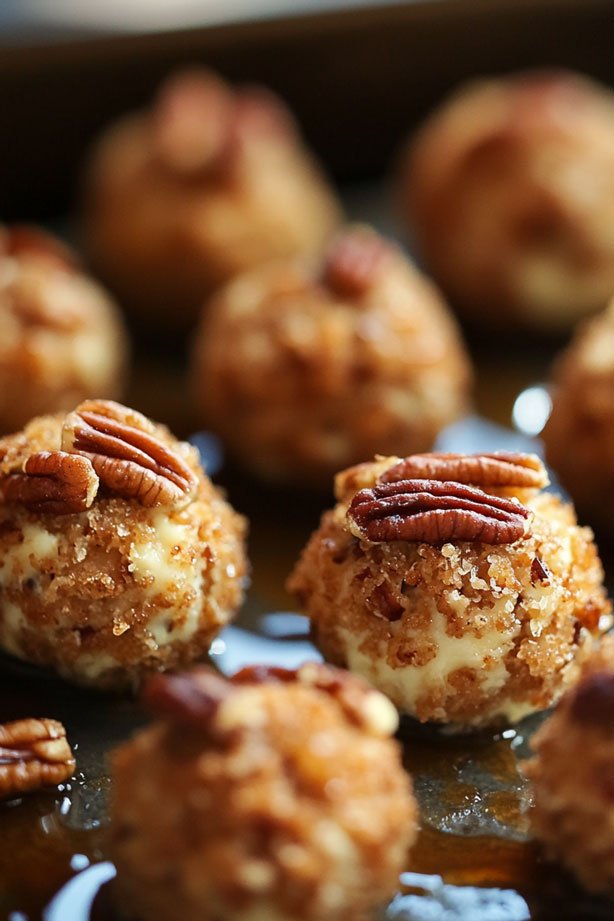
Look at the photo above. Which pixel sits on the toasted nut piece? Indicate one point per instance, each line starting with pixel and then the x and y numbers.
pixel 126 454
pixel 431 512
pixel 34 753
pixel 54 482
pixel 23 240
pixel 354 261
pixel 191 697
pixel 501 469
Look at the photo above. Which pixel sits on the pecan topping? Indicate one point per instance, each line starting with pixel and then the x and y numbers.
pixel 130 460
pixel 360 703
pixel 191 121
pixel 23 240
pixel 192 697
pixel 499 470
pixel 354 261
pixel 52 481
pixel 34 753
pixel 430 511
pixel 592 701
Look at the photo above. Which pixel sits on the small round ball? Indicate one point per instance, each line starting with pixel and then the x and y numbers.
pixel 509 190
pixel 583 416
pixel 455 631
pixel 305 369
pixel 206 184
pixel 61 337
pixel 275 797
pixel 573 775
pixel 121 587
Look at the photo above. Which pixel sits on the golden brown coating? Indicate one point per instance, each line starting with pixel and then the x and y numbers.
pixel 277 797
pixel 573 776
pixel 208 183
pixel 303 370
pixel 61 337
pixel 509 188
pixel 453 630
pixel 108 570
pixel 579 435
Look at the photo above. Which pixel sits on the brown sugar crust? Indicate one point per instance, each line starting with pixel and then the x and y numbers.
pixel 119 589
pixel 579 435
pixel 279 807
pixel 382 368
pixel 525 614
pixel 207 184
pixel 508 188
pixel 573 780
pixel 61 337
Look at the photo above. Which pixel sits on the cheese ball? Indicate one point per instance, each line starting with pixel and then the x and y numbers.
pixel 302 369
pixel 206 184
pixel 583 417
pixel 276 796
pixel 118 556
pixel 454 585
pixel 573 776
pixel 61 337
pixel 509 191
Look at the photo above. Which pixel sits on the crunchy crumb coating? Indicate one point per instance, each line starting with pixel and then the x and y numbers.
pixel 573 778
pixel 464 633
pixel 164 238
pixel 509 189
pixel 283 809
pixel 119 590
pixel 61 336
pixel 583 416
pixel 382 371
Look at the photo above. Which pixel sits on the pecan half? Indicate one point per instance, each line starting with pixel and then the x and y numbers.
pixel 501 469
pixel 25 240
pixel 34 753
pixel 354 261
pixel 130 460
pixel 430 511
pixel 191 121
pixel 52 481
pixel 192 697
pixel 592 701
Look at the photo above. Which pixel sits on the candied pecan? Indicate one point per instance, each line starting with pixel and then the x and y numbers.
pixel 34 753
pixel 52 481
pixel 430 511
pixel 592 701
pixel 354 261
pixel 130 460
pixel 191 697
pixel 501 469
pixel 191 122
pixel 24 240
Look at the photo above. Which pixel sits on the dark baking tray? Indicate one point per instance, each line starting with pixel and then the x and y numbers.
pixel 358 81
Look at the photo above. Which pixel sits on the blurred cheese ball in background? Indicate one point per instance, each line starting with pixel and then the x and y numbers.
pixel 304 368
pixel 454 585
pixel 275 796
pixel 118 556
pixel 579 435
pixel 509 191
pixel 206 184
pixel 61 336
pixel 573 776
